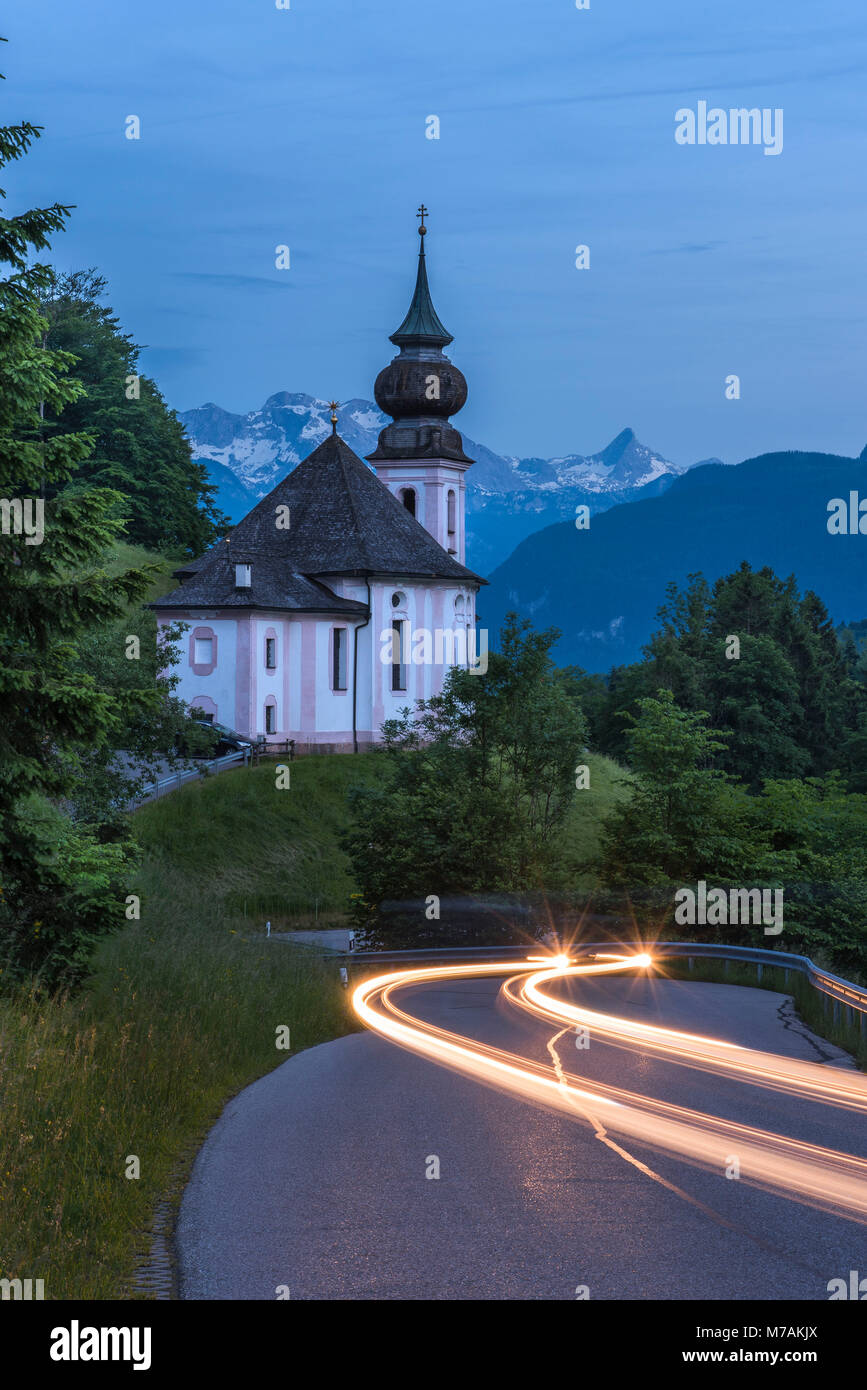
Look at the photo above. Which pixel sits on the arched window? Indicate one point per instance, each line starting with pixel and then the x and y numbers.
pixel 407 497
pixel 203 707
pixel 460 605
pixel 452 512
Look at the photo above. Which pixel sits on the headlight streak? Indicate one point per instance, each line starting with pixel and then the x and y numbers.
pixel 807 1172
pixel 831 1086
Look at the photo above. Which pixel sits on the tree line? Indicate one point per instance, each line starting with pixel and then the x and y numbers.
pixel 744 765
pixel 89 442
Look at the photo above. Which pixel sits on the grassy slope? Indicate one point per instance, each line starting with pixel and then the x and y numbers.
pixel 580 837
pixel 272 853
pixel 181 1013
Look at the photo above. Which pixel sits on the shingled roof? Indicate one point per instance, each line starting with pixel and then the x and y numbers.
pixel 342 521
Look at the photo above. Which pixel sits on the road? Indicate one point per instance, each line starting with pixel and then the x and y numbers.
pixel 314 1179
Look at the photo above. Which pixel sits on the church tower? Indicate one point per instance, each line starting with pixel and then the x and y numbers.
pixel 420 455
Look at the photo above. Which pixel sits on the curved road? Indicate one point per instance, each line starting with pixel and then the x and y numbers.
pixel 315 1178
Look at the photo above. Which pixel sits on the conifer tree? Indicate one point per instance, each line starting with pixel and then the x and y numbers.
pixel 63 883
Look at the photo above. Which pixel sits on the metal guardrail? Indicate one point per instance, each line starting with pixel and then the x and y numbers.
pixel 179 778
pixel 843 993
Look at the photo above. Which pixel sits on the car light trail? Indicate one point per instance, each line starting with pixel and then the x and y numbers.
pixel 808 1172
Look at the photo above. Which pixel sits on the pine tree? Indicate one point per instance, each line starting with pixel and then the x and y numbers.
pixel 62 883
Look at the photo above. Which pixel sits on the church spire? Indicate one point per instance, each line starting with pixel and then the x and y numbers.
pixel 422 326
pixel 420 388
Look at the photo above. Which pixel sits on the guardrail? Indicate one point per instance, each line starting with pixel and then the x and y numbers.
pixel 842 993
pixel 179 778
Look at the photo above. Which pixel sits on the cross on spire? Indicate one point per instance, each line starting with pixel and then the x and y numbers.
pixel 422 212
pixel 333 406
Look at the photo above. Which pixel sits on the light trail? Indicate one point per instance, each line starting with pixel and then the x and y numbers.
pixel 807 1172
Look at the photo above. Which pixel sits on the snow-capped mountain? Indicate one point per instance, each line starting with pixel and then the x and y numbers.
pixel 507 497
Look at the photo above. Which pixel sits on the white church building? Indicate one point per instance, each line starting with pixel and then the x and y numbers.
pixel 343 596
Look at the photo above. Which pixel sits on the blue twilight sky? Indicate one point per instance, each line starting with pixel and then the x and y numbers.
pixel 306 126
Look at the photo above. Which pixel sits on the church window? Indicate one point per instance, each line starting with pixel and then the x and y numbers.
pixel 459 604
pixel 407 497
pixel 452 510
pixel 203 708
pixel 338 658
pixel 271 653
pixel 270 719
pixel 398 655
pixel 202 651
pixel 398 600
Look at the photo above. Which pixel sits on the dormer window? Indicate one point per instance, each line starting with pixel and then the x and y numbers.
pixel 243 576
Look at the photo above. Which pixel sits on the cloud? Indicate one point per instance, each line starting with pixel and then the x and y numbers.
pixel 690 248
pixel 240 282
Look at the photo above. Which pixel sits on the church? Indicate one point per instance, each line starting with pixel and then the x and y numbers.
pixel 343 596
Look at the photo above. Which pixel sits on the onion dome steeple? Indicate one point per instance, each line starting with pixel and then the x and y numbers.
pixel 420 388
pixel 421 327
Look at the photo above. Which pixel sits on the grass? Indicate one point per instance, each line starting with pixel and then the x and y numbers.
pixel 180 1013
pixel 609 783
pixel 272 853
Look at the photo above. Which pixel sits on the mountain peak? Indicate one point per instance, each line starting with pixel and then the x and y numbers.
pixel 507 497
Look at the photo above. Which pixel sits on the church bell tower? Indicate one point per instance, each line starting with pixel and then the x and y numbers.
pixel 420 455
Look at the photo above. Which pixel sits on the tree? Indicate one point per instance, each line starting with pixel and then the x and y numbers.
pixel 685 820
pixel 140 449
pixel 478 781
pixel 820 833
pixel 62 883
pixel 764 662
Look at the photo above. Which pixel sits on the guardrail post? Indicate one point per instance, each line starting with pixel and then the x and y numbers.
pixel 759 971
pixel 691 962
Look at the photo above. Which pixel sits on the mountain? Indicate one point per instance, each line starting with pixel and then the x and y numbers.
pixel 602 586
pixel 507 498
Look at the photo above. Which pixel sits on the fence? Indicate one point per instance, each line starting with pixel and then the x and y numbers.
pixel 179 778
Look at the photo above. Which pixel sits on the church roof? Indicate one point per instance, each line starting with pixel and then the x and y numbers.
pixel 341 521
pixel 422 326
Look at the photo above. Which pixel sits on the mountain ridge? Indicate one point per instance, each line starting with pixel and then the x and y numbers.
pixel 602 587
pixel 507 496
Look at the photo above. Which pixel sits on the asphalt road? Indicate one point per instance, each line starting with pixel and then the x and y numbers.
pixel 314 1178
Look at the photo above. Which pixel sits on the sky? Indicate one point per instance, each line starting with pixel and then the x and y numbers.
pixel 305 127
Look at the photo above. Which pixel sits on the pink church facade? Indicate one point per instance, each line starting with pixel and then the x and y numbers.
pixel 343 596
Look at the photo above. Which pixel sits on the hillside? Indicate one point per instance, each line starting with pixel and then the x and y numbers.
pixel 272 853
pixel 602 586
pixel 178 1015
